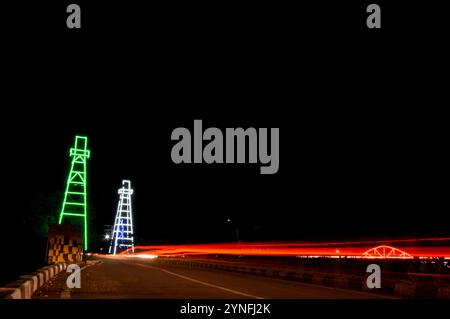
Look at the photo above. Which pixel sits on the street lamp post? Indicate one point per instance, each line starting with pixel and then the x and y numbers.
pixel 235 229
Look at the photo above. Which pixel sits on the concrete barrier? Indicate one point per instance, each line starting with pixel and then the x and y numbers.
pixel 27 285
pixel 40 278
pixel 443 293
pixel 10 293
pixel 34 282
pixel 61 267
pixel 318 279
pixel 55 269
pixel 405 290
pixel 52 271
pixel 26 289
pixel 390 286
pixel 49 271
pixel 45 274
pixel 23 285
pixel 342 282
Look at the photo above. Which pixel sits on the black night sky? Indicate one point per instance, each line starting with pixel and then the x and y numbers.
pixel 363 141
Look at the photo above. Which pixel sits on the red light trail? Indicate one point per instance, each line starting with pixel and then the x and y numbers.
pixel 356 249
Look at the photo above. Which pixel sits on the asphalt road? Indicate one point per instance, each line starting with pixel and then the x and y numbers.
pixel 146 279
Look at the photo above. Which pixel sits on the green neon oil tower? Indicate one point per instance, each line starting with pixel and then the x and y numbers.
pixel 75 204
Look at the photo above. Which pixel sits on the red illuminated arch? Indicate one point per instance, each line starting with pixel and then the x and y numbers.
pixel 386 252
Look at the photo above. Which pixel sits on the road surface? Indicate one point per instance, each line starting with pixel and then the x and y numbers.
pixel 147 279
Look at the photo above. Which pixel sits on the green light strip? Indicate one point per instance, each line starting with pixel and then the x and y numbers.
pixel 73 214
pixel 76 187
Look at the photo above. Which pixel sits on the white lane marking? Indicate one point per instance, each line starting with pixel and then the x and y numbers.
pixel 201 282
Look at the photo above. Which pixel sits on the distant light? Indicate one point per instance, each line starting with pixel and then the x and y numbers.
pixel 106 236
pixel 228 220
pixel 337 251
pixel 145 256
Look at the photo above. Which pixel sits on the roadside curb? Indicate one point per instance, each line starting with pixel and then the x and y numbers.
pixel 27 285
pixel 391 288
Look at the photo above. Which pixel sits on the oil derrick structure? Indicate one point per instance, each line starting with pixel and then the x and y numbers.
pixel 122 235
pixel 74 206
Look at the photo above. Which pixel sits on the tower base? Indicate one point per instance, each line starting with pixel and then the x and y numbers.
pixel 64 244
